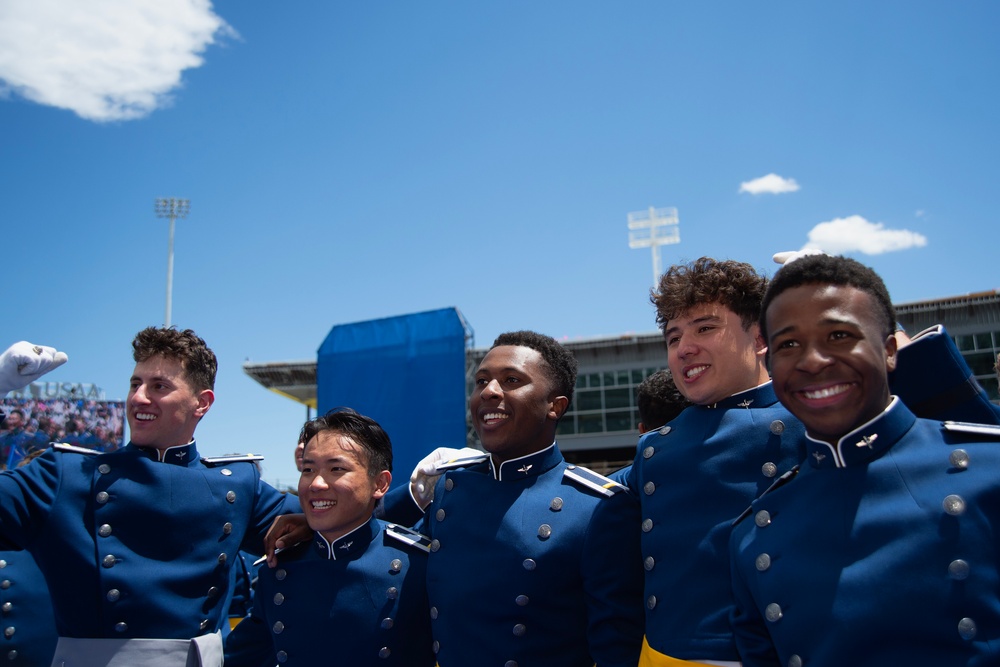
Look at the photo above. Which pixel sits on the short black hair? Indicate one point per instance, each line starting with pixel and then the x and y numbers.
pixel 365 431
pixel 659 400
pixel 559 360
pixel 831 270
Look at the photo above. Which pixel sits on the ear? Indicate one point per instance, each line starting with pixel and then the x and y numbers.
pixel 891 348
pixel 759 344
pixel 557 407
pixel 205 399
pixel 382 482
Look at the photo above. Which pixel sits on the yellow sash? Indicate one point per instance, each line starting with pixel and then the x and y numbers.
pixel 653 658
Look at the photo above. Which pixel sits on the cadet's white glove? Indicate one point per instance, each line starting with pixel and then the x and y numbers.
pixel 425 475
pixel 23 363
pixel 789 256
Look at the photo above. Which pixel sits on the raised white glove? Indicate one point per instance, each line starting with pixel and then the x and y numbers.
pixel 425 474
pixel 23 363
pixel 789 256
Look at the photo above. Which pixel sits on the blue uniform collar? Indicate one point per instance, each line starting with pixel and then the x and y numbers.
pixel 527 466
pixel 762 396
pixel 865 443
pixel 182 455
pixel 348 546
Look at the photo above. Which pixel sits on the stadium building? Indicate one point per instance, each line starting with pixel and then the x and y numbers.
pixel 599 430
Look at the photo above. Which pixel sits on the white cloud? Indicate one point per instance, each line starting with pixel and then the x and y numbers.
pixel 103 59
pixel 855 234
pixel 772 184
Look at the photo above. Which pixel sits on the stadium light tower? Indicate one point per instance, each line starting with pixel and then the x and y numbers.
pixel 651 229
pixel 171 208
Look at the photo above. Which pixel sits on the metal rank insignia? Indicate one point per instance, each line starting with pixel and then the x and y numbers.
pixel 969 427
pixel 232 458
pixel 461 462
pixel 592 480
pixel 407 536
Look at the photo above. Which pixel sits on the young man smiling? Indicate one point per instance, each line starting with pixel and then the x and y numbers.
pixel 137 544
pixel 533 560
pixel 882 550
pixel 695 475
pixel 359 584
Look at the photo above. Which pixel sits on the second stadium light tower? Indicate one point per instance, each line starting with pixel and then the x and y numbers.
pixel 171 208
pixel 651 229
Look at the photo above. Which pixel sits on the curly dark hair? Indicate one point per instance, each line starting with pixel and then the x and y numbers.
pixel 736 285
pixel 559 360
pixel 832 270
pixel 658 399
pixel 196 358
pixel 364 431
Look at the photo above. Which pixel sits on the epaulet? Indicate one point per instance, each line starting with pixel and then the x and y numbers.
pixel 408 536
pixel 461 462
pixel 73 449
pixel 592 480
pixel 968 427
pixel 783 479
pixel 231 458
pixel 283 553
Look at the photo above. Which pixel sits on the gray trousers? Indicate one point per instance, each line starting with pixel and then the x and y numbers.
pixel 204 651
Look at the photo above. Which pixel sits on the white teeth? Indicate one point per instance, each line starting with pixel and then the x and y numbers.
pixel 144 417
pixel 827 392
pixel 494 415
pixel 323 504
pixel 691 372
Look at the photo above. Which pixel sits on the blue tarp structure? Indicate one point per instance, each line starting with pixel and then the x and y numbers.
pixel 405 372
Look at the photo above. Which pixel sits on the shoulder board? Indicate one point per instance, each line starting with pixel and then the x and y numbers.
pixel 278 552
pixel 968 427
pixel 783 479
pixel 408 536
pixel 592 480
pixel 461 462
pixel 233 458
pixel 73 449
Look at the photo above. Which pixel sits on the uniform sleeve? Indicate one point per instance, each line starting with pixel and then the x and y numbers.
pixel 753 642
pixel 250 644
pixel 26 496
pixel 934 382
pixel 398 506
pixel 270 503
pixel 612 581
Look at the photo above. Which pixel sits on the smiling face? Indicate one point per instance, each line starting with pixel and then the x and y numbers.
pixel 830 358
pixel 163 406
pixel 514 409
pixel 336 490
pixel 711 356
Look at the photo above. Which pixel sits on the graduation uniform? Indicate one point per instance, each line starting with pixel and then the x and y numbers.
pixel 533 563
pixel 883 550
pixel 359 601
pixel 27 627
pixel 693 476
pixel 137 543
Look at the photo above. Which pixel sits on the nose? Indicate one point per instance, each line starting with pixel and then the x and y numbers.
pixel 318 483
pixel 491 389
pixel 813 359
pixel 139 394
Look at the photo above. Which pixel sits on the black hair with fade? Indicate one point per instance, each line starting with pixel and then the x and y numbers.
pixel 560 361
pixel 831 270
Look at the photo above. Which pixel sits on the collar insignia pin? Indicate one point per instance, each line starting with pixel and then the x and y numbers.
pixel 866 440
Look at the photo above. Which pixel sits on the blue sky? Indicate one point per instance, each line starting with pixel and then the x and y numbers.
pixel 348 161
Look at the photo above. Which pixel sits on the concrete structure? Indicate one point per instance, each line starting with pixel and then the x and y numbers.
pixel 599 430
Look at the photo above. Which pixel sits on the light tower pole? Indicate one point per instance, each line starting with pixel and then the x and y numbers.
pixel 171 208
pixel 651 229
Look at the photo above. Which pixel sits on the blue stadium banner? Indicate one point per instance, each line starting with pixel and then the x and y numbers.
pixel 407 373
